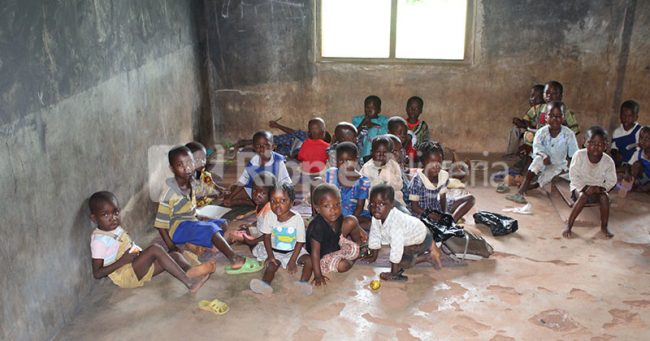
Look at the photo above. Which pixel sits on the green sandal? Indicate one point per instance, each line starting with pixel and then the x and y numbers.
pixel 250 265
pixel 518 198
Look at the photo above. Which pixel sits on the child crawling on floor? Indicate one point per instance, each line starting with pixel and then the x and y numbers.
pixel 116 256
pixel 327 241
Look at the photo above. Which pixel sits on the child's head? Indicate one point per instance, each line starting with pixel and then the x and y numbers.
pixel 596 138
pixel 553 91
pixel 644 138
pixel 263 145
pixel 199 154
pixel 431 156
pixel 397 146
pixel 629 113
pixel 397 126
pixel 381 199
pixel 346 156
pixel 345 132
pixel 382 146
pixel 181 162
pixel 326 200
pixel 555 114
pixel 414 107
pixel 316 127
pixel 536 95
pixel 372 106
pixel 263 184
pixel 282 197
pixel 104 210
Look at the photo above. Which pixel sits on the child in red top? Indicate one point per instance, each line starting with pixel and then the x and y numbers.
pixel 313 152
pixel 398 127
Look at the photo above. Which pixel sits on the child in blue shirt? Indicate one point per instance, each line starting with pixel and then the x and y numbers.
pixel 626 137
pixel 369 125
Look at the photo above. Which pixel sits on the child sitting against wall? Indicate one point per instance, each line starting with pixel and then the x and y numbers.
pixel 524 127
pixel 177 220
pixel 353 186
pixel 428 189
pixel 552 145
pixel 369 126
pixel 265 159
pixel 327 242
pixel 592 174
pixel 626 136
pixel 417 129
pixel 409 239
pixel 313 153
pixel 382 169
pixel 397 126
pixel 115 255
pixel 284 237
pixel 639 171
pixel 553 92
pixel 344 132
pixel 207 189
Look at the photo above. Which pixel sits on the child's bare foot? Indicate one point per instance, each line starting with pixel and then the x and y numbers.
pixel 567 233
pixel 435 256
pixel 197 283
pixel 606 233
pixel 203 269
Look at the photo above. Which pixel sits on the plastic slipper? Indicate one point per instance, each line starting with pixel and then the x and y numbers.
pixel 518 198
pixel 250 265
pixel 215 306
pixel 503 188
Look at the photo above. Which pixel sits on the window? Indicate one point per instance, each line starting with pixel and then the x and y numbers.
pixel 394 30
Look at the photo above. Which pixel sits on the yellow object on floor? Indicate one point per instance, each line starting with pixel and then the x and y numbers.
pixel 215 306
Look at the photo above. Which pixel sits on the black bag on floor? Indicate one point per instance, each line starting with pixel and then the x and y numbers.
pixel 442 229
pixel 499 225
pixel 470 246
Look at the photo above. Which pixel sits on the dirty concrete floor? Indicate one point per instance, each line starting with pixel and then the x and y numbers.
pixel 537 286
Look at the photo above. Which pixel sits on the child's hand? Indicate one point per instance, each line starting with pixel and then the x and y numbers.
pixel 547 160
pixel 317 281
pixel 519 123
pixel 128 257
pixel 363 236
pixel 292 267
pixel 271 260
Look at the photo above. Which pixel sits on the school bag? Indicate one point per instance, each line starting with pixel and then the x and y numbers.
pixel 455 240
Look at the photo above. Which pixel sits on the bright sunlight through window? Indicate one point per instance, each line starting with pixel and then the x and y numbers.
pixel 422 29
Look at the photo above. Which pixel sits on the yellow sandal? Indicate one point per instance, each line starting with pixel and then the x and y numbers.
pixel 214 306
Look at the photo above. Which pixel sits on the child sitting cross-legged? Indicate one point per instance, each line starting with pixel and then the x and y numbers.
pixel 592 174
pixel 327 242
pixel 353 186
pixel 552 145
pixel 265 159
pixel 284 237
pixel 383 169
pixel 409 239
pixel 115 255
pixel 428 189
pixel 177 220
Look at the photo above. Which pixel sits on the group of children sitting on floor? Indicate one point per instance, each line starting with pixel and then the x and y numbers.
pixel 546 141
pixel 363 194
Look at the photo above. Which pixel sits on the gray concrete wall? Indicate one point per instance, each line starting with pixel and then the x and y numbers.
pixel 263 55
pixel 85 88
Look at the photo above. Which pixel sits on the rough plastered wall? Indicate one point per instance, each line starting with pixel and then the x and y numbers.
pixel 263 62
pixel 85 88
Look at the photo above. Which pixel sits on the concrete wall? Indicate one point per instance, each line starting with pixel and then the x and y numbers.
pixel 85 88
pixel 263 54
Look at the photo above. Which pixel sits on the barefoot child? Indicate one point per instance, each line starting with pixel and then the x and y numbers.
pixel 428 189
pixel 409 239
pixel 115 255
pixel 265 159
pixel 553 144
pixel 284 237
pixel 207 189
pixel 592 174
pixel 177 221
pixel 369 125
pixel 327 241
pixel 626 136
pixel 382 168
pixel 313 153
pixel 417 128
pixel 353 186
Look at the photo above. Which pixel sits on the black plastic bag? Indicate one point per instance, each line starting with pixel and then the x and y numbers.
pixel 442 229
pixel 499 225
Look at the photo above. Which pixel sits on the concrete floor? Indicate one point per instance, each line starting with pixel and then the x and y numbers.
pixel 537 286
